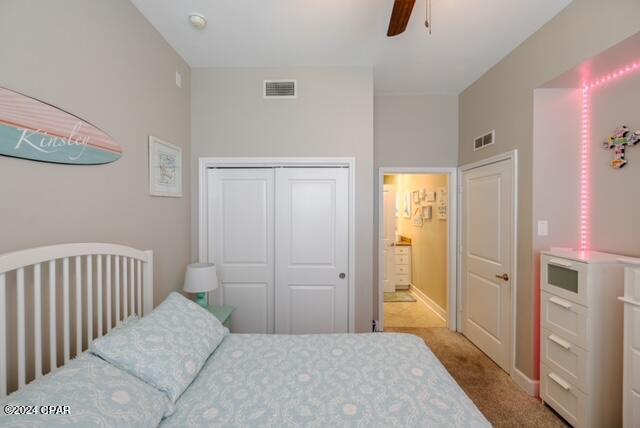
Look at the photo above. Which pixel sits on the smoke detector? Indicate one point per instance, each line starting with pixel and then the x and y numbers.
pixel 198 21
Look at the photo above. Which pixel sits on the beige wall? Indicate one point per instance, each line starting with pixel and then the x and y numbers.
pixel 429 245
pixel 502 99
pixel 419 130
pixel 332 117
pixel 102 61
pixel 413 131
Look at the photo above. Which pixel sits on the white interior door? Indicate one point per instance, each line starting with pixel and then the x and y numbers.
pixel 312 216
pixel 487 237
pixel 241 240
pixel 389 238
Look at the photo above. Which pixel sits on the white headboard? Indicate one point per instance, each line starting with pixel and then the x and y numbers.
pixel 114 280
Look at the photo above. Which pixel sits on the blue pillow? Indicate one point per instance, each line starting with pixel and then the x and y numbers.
pixel 166 348
pixel 87 391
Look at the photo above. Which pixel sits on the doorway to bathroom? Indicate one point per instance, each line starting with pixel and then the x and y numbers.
pixel 416 248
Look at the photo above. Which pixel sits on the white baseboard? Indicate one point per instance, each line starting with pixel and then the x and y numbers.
pixel 439 310
pixel 531 387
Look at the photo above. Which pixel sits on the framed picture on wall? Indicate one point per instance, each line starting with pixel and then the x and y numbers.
pixel 416 196
pixel 430 196
pixel 406 209
pixel 427 212
pixel 165 168
pixel 417 217
pixel 442 203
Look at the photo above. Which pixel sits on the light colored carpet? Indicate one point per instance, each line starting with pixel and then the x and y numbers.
pixel 501 401
pixel 414 314
pixel 399 296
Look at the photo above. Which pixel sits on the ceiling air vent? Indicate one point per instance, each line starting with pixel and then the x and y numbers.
pixel 280 89
pixel 484 140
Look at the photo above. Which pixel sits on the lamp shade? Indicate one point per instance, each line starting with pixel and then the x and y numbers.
pixel 200 278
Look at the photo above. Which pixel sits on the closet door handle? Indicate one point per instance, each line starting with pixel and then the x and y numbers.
pixel 342 275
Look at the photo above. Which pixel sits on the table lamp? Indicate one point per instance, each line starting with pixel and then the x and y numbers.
pixel 201 278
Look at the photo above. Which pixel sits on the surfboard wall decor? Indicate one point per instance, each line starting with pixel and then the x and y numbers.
pixel 32 129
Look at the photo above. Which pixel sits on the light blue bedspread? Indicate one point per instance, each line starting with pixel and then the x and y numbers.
pixel 367 380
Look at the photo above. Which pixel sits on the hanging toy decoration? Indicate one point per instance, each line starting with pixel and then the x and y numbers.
pixel 621 139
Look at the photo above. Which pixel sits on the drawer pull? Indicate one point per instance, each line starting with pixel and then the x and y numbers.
pixel 560 262
pixel 560 302
pixel 629 301
pixel 557 379
pixel 555 339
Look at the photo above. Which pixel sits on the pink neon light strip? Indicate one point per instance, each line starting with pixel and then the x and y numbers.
pixel 585 153
pixel 585 150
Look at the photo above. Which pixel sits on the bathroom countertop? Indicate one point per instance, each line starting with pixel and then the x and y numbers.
pixel 403 241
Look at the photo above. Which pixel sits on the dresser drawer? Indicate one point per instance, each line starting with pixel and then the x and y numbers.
pixel 563 396
pixel 402 280
pixel 564 278
pixel 403 250
pixel 565 358
pixel 402 269
pixel 564 318
pixel 402 259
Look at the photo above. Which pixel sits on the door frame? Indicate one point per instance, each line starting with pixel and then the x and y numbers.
pixel 452 269
pixel 513 157
pixel 205 163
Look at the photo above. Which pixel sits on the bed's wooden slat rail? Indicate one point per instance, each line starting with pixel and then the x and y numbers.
pixel 53 336
pixel 99 271
pixel 108 293
pixel 125 293
pixel 133 286
pixel 66 342
pixel 139 287
pixel 78 264
pixel 21 328
pixel 99 302
pixel 37 308
pixel 3 334
pixel 117 263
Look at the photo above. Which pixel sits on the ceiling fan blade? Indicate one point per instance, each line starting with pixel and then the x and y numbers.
pixel 400 17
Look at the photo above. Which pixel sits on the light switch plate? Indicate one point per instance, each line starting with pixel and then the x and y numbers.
pixel 543 228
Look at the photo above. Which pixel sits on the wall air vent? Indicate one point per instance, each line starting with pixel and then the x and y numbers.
pixel 484 140
pixel 280 89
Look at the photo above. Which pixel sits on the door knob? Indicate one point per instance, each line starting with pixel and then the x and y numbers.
pixel 504 277
pixel 342 276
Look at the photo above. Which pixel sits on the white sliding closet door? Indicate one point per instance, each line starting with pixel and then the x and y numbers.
pixel 241 219
pixel 312 240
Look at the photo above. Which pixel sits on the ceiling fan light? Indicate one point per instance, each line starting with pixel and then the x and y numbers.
pixel 198 21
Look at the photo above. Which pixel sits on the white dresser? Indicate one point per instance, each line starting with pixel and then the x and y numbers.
pixel 403 266
pixel 631 384
pixel 581 336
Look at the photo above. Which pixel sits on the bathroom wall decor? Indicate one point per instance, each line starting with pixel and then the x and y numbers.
pixel 619 141
pixel 34 130
pixel 427 212
pixel 406 209
pixel 442 203
pixel 417 217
